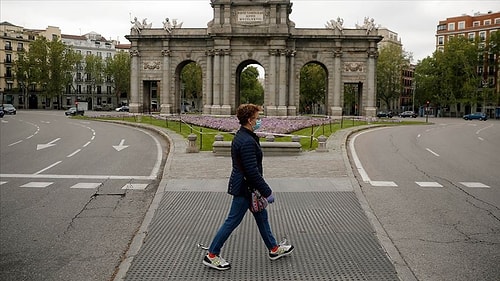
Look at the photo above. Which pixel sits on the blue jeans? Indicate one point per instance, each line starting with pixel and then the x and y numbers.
pixel 239 207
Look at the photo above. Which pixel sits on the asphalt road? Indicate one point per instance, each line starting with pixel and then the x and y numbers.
pixel 436 191
pixel 72 194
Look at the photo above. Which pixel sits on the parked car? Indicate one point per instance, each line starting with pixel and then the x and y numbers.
pixel 477 115
pixel 122 108
pixel 408 114
pixel 2 113
pixel 384 114
pixel 72 111
pixel 9 109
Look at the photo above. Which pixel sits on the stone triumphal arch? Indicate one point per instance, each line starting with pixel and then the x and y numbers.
pixel 258 32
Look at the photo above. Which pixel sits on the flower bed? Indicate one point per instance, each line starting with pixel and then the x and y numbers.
pixel 275 125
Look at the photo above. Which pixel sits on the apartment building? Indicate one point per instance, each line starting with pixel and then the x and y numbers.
pixel 406 98
pixel 85 88
pixel 477 28
pixel 13 41
pixel 16 39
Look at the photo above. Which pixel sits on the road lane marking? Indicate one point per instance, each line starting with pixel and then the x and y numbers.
pixel 474 185
pixel 14 143
pixel 480 138
pixel 2 182
pixel 43 170
pixel 428 184
pixel 383 183
pixel 95 177
pixel 37 184
pixel 73 154
pixel 45 145
pixel 434 153
pixel 479 131
pixel 135 186
pixel 120 146
pixel 87 185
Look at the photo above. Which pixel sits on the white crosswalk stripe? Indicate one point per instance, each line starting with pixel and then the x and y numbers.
pixel 87 185
pixel 135 186
pixel 37 184
pixel 81 185
pixel 428 184
pixel 474 185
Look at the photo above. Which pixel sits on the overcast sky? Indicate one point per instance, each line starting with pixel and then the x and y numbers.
pixel 415 21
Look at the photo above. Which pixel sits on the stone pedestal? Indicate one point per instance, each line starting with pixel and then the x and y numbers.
pixel 192 148
pixel 336 110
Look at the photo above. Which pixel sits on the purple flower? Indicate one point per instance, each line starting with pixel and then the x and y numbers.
pixel 270 125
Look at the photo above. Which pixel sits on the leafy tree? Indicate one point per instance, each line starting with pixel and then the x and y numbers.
pixel 94 69
pixel 118 70
pixel 192 80
pixel 391 62
pixel 450 77
pixel 48 65
pixel 312 87
pixel 494 49
pixel 251 90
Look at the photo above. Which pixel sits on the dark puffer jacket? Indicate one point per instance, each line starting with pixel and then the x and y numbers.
pixel 246 154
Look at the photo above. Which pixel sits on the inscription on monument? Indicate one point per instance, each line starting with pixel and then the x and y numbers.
pixel 250 17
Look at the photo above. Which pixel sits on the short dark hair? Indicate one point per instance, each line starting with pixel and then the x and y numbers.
pixel 245 112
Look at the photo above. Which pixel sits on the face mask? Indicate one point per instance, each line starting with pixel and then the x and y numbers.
pixel 257 125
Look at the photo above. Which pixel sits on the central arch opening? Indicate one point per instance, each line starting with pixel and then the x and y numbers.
pixel 250 81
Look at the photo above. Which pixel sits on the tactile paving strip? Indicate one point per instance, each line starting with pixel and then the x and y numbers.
pixel 332 236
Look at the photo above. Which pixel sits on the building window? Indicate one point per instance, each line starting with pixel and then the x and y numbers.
pixel 472 36
pixel 479 70
pixel 20 47
pixel 497 21
pixel 461 25
pixel 441 40
pixel 482 35
pixel 8 72
pixel 451 26
pixel 89 53
pixel 476 23
pixel 8 45
pixel 487 22
pixel 8 58
pixel 99 54
pixel 441 27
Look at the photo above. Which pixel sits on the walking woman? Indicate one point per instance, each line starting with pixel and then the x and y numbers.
pixel 246 155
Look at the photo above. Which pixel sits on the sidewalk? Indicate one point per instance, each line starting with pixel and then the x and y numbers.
pixel 319 208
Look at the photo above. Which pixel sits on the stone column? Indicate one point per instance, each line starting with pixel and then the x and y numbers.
pixel 282 74
pixel 217 84
pixel 292 107
pixel 371 89
pixel 207 106
pixel 335 91
pixel 226 104
pixel 271 84
pixel 166 105
pixel 135 104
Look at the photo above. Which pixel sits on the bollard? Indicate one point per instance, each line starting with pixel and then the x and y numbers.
pixel 219 137
pixel 192 148
pixel 322 144
pixel 270 138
